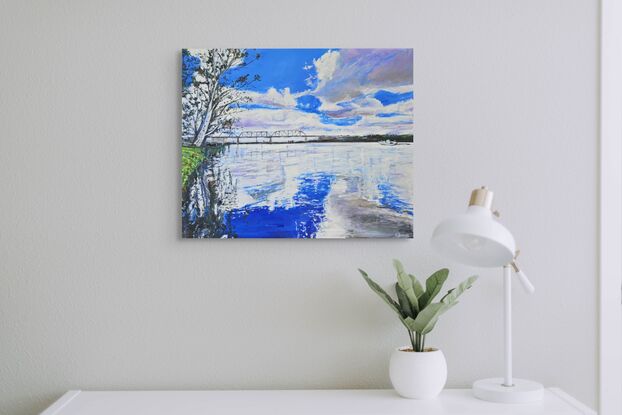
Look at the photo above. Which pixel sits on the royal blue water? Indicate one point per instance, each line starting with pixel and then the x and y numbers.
pixel 302 190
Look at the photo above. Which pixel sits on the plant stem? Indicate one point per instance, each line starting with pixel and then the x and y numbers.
pixel 423 343
pixel 417 342
pixel 412 339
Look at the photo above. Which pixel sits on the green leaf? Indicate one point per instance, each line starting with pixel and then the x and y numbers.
pixel 403 301
pixel 406 285
pixel 433 286
pixel 453 294
pixel 416 286
pixel 409 323
pixel 382 294
pixel 426 319
pixel 397 264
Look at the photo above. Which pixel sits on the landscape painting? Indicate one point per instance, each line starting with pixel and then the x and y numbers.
pixel 297 143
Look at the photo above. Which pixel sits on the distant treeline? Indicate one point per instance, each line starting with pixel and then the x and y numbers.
pixel 403 138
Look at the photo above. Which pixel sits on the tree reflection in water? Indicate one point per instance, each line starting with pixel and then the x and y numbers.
pixel 211 191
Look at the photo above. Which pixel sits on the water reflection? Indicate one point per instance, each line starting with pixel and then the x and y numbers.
pixel 205 201
pixel 311 190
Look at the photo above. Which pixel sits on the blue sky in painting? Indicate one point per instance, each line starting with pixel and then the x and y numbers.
pixel 327 91
pixel 387 97
pixel 280 68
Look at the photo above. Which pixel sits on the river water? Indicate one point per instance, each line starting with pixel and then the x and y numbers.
pixel 301 190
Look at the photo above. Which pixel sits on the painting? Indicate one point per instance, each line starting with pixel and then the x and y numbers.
pixel 297 143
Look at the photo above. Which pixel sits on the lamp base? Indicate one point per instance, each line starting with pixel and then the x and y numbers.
pixel 493 390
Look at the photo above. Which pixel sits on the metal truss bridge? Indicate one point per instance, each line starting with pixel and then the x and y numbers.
pixel 278 136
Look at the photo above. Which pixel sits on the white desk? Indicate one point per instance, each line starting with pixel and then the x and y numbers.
pixel 302 402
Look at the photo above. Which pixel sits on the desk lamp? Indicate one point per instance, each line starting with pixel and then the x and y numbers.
pixel 477 239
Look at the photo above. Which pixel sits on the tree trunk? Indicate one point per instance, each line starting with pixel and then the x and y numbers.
pixel 200 138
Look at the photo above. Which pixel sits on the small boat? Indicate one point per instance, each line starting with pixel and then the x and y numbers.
pixel 388 143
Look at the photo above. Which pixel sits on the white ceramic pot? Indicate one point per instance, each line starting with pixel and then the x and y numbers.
pixel 418 375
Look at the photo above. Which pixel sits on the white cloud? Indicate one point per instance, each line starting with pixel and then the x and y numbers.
pixel 402 107
pixel 326 65
pixel 366 105
pixel 394 125
pixel 292 119
pixel 328 105
pixel 274 98
pixel 398 89
pixel 356 72
pixel 278 119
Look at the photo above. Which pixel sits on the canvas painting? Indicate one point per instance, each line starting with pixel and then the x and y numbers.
pixel 297 143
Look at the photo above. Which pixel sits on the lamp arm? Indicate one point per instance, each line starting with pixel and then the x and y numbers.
pixel 527 285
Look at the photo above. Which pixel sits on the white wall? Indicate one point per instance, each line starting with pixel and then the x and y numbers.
pixel 98 291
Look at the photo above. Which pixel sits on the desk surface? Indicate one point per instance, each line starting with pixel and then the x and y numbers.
pixel 302 402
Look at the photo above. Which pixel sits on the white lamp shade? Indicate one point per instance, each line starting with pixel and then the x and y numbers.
pixel 474 238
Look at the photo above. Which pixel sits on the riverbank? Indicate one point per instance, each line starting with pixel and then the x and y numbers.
pixel 191 157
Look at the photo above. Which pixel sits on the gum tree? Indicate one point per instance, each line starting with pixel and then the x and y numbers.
pixel 210 97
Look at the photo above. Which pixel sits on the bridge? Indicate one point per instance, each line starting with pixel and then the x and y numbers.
pixel 278 136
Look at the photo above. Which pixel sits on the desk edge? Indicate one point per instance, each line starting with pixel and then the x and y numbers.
pixel 579 406
pixel 69 396
pixel 61 402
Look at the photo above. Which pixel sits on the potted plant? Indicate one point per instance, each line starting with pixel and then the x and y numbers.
pixel 417 371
